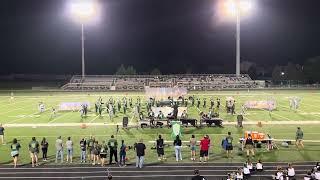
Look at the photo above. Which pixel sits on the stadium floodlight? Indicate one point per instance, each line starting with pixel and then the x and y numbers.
pixel 238 8
pixel 83 11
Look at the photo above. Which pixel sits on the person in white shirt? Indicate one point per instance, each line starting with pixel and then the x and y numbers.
pixel 308 176
pixel 317 174
pixel 279 173
pixel 239 174
pixel 69 146
pixel 246 171
pixel 259 166
pixel 291 172
pixel 250 165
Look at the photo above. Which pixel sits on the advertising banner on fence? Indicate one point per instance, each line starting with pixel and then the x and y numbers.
pixel 72 106
pixel 267 105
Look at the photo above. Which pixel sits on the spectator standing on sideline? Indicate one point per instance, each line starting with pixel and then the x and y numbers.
pixel 299 138
pixel 96 152
pixel 89 143
pixel 204 147
pixel 123 153
pixel 249 146
pixel 44 148
pixel 2 134
pixel 209 145
pixel 177 143
pixel 15 146
pixel 91 153
pixel 229 146
pixel 59 149
pixel 34 151
pixel 160 148
pixel 193 145
pixel 113 145
pixel 103 152
pixel 197 175
pixel 83 150
pixel 140 150
pixel 69 146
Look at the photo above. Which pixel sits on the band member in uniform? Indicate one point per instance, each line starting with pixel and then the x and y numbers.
pixel 218 103
pixel 204 102
pixel 211 103
pixel 160 115
pixel 184 115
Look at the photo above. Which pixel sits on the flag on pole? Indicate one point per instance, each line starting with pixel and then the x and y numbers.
pixel 176 129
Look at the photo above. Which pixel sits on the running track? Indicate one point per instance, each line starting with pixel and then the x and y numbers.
pixel 167 171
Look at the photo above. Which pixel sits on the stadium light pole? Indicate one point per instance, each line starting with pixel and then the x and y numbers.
pixel 238 8
pixel 83 11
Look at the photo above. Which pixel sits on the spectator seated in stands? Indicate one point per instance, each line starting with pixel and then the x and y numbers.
pixel 246 171
pixel 279 174
pixel 259 166
pixel 308 176
pixel 290 171
pixel 250 166
pixel 239 174
pixel 316 174
pixel 197 175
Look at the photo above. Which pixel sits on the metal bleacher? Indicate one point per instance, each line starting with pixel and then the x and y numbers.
pixel 140 82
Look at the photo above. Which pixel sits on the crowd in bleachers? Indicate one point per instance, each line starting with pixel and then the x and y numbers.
pixel 139 82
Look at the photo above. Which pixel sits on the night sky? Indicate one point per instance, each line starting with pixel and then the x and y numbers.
pixel 38 36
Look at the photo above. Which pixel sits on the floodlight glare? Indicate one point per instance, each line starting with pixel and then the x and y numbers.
pixel 236 9
pixel 233 6
pixel 83 10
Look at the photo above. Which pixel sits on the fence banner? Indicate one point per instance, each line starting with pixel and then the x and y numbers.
pixel 267 105
pixel 72 106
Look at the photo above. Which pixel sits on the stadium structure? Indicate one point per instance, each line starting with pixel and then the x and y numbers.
pixel 191 82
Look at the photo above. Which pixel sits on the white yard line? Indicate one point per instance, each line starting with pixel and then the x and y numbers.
pixel 94 118
pixel 299 110
pixel 59 117
pixel 15 120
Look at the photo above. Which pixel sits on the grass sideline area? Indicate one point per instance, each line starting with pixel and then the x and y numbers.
pixel 291 154
pixel 24 110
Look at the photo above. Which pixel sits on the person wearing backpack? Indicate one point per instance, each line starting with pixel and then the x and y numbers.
pixel 123 153
pixel 90 143
pixel 34 150
pixel 113 144
pixel 229 146
pixel 103 152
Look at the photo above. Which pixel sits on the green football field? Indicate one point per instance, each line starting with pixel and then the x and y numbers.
pixel 23 110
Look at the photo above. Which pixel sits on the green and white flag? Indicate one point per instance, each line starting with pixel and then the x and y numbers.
pixel 176 129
